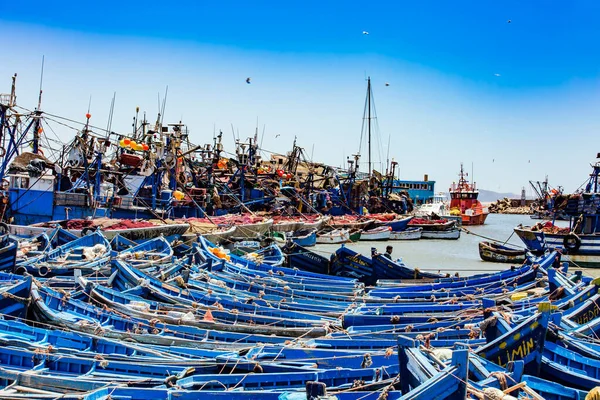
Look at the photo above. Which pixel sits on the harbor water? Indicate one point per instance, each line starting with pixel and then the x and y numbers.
pixel 451 256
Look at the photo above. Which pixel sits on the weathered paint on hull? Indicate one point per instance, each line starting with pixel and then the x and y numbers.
pixel 474 219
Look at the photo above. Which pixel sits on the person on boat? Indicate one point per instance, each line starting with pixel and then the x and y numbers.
pixel 327 207
pixel 556 263
pixel 388 252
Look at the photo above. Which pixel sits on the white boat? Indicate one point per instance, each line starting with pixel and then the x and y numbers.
pixel 335 236
pixel 287 226
pixel 252 231
pixel 316 224
pixel 381 233
pixel 408 234
pixel 351 225
pixel 451 234
pixel 439 206
pixel 220 235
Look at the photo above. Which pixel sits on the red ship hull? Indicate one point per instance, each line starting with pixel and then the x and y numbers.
pixel 474 219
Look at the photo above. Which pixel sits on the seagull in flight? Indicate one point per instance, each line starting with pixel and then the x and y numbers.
pixel 248 80
pixel 508 22
pixel 276 136
pixel 365 33
pixel 387 84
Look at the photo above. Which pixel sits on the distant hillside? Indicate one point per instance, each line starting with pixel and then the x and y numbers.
pixel 488 196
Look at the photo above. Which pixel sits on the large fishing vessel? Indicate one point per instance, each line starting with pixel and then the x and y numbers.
pixel 155 171
pixel 580 241
pixel 463 201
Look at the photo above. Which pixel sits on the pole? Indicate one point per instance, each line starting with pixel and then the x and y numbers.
pixel 369 120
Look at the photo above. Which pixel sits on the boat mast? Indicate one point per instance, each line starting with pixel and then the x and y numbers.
pixel 38 115
pixel 369 120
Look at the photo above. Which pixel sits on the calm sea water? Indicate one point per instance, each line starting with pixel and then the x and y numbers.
pixel 451 256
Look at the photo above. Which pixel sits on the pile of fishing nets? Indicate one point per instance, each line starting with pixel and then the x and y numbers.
pixel 425 221
pixel 549 227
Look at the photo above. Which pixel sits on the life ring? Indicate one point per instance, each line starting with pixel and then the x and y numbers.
pixel 571 242
pixel 87 231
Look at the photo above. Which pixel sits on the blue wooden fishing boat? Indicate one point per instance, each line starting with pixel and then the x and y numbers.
pixel 120 243
pixel 14 297
pixel 448 384
pixel 53 307
pixel 223 320
pixel 397 225
pixel 305 238
pixel 270 255
pixel 88 254
pixel 524 274
pixel 524 342
pixel 346 262
pixel 148 253
pixel 300 257
pixel 500 253
pixel 550 390
pixel 570 368
pixel 247 266
pixel 8 253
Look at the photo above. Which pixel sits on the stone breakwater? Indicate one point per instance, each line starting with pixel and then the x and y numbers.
pixel 508 206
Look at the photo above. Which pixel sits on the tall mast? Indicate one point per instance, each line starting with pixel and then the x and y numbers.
pixel 369 120
pixel 38 115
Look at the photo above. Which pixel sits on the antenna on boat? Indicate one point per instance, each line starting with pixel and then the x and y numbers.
pixel 39 107
pixel 262 136
pixel 387 158
pixel 110 115
pixel 162 111
pixel 233 133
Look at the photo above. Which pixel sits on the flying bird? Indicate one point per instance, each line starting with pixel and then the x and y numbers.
pixel 387 84
pixel 496 74
pixel 276 136
pixel 365 33
pixel 248 80
pixel 508 22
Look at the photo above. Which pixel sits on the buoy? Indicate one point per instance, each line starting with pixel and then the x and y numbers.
pixel 88 115
pixel 178 195
pixel 208 316
pixel 122 143
pixel 132 144
pixel 145 147
pixel 126 141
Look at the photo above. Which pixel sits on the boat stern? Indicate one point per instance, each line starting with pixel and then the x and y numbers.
pixel 534 241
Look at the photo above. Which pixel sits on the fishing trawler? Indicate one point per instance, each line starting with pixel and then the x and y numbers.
pixel 463 201
pixel 154 172
pixel 580 241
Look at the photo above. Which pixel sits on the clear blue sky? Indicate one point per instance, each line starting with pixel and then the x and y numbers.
pixel 519 99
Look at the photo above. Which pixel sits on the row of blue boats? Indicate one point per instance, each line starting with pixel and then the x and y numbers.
pixel 89 318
